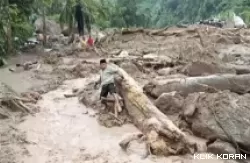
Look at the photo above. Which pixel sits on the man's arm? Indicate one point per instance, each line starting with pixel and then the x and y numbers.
pixel 98 81
pixel 115 70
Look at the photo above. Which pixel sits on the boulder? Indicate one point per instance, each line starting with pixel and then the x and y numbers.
pixel 2 62
pixel 220 147
pixel 52 28
pixel 130 68
pixel 67 32
pixel 170 103
pixel 164 71
pixel 222 114
pixel 123 54
pixel 202 68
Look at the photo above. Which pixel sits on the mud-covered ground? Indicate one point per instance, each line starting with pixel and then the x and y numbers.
pixel 72 130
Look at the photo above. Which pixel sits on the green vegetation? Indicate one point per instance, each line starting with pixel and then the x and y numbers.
pixel 17 16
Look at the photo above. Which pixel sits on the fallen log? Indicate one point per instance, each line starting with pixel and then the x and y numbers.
pixel 126 31
pixel 235 83
pixel 161 135
pixel 159 32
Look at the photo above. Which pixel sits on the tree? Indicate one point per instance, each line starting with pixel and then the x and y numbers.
pixel 14 25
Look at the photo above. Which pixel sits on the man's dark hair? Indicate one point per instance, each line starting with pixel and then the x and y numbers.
pixel 103 61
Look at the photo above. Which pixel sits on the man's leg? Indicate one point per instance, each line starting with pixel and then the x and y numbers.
pixel 104 94
pixel 82 27
pixel 79 27
pixel 117 107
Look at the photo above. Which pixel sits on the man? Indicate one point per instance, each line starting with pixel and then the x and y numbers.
pixel 107 82
pixel 81 17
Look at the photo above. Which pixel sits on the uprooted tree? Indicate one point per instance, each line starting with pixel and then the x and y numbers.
pixel 161 135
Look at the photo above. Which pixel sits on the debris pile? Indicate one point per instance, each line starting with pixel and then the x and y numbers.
pixel 177 84
pixel 191 68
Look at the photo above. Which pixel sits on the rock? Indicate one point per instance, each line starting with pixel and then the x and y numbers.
pixel 54 38
pixel 90 98
pixel 123 54
pixel 189 104
pixel 66 32
pixel 155 57
pixel 2 62
pixel 137 148
pixel 64 40
pixel 230 110
pixel 220 147
pixel 230 161
pixel 238 22
pixel 202 68
pixel 164 71
pixel 236 39
pixel 199 68
pixel 39 37
pixel 169 103
pixel 52 28
pixel 130 68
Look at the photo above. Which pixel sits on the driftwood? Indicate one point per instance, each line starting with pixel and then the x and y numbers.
pixel 161 135
pixel 126 31
pixel 213 83
pixel 26 65
pixel 158 32
pixel 11 99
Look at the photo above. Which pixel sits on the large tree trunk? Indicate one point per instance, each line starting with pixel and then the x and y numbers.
pixel 162 136
pixel 212 83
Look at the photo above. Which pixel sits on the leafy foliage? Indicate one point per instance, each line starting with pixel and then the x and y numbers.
pixel 17 16
pixel 14 25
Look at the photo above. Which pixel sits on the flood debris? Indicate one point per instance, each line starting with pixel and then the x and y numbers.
pixel 11 100
pixel 176 85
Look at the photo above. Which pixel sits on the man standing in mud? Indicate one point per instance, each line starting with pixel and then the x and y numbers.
pixel 107 75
